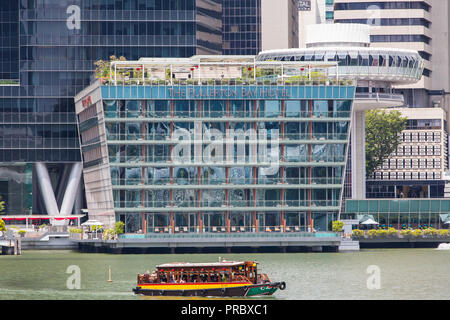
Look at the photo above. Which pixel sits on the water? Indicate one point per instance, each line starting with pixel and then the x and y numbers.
pixel 404 274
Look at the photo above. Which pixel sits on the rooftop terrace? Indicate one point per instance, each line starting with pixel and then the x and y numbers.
pixel 218 70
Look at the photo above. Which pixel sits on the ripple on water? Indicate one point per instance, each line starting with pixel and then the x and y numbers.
pixel 404 274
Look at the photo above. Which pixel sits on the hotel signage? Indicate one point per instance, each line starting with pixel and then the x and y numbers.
pixel 86 102
pixel 227 93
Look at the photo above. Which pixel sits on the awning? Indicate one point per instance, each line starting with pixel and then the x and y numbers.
pixel 365 217
pixel 92 223
pixel 369 222
pixel 445 218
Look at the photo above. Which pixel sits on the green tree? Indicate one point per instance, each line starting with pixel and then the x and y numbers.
pixel 2 225
pixel 383 130
pixel 2 206
pixel 337 226
pixel 119 227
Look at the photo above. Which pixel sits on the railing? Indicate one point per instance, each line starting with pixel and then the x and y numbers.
pixel 263 234
pixel 378 96
pixel 149 115
pixel 137 203
pixel 247 161
pixel 124 138
pixel 229 82
pixel 242 182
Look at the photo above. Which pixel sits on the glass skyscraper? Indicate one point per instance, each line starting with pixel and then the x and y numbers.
pixel 47 51
pixel 241 27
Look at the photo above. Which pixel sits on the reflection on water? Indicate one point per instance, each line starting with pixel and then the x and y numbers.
pixel 404 274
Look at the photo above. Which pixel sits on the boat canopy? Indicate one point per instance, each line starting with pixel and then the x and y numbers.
pixel 210 264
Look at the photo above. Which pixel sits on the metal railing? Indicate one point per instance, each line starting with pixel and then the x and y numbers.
pixel 378 96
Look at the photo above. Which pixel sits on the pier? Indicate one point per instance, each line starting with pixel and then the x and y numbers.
pixel 214 243
pixel 10 245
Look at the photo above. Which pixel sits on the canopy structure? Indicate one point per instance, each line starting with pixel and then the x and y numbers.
pixel 367 219
pixel 213 264
pixel 27 218
pixel 445 218
pixel 369 222
pixel 92 223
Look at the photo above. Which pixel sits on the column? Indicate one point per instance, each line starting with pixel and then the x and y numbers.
pixel 358 136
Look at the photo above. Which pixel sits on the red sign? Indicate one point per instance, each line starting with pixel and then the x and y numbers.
pixel 86 101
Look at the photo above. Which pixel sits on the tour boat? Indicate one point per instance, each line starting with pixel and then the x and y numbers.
pixel 221 279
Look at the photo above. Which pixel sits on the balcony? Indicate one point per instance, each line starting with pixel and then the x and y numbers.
pixel 366 101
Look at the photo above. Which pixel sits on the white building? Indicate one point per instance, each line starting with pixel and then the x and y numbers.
pixel 417 168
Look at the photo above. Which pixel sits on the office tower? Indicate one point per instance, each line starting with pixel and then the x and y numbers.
pixel 422 26
pixel 241 27
pixel 48 49
pixel 279 24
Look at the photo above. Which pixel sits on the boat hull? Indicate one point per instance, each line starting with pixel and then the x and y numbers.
pixel 211 292
pixel 239 290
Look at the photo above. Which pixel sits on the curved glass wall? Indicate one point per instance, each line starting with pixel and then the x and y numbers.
pixel 358 62
pixel 229 165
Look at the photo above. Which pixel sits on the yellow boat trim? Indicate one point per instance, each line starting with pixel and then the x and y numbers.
pixel 193 286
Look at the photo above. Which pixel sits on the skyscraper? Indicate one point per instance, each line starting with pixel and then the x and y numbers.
pixel 47 53
pixel 241 27
pixel 279 24
pixel 415 170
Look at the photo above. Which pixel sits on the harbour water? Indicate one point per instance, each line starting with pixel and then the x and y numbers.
pixel 368 274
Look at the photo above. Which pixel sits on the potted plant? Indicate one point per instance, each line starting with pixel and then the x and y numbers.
pixel 406 233
pixel 372 233
pixel 22 233
pixel 357 233
pixel 338 226
pixel 119 227
pixel 444 233
pixel 2 225
pixel 430 232
pixel 381 233
pixel 417 233
pixel 392 232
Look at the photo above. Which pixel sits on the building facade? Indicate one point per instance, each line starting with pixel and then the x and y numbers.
pixel 419 25
pixel 422 26
pixel 48 50
pixel 418 167
pixel 241 27
pixel 222 144
pixel 279 24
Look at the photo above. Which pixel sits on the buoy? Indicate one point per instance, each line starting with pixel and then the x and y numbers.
pixel 109 280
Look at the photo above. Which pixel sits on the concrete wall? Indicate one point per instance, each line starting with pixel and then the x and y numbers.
pixel 279 27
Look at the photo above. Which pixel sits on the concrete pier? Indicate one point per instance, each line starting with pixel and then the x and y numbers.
pixel 215 243
pixel 12 246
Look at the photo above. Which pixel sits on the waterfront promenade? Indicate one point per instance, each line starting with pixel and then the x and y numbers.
pixel 210 242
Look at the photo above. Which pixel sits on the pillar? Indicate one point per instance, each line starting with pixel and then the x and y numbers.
pixel 71 189
pixel 358 136
pixel 45 185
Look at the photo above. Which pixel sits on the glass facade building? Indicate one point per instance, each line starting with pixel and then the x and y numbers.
pixel 221 154
pixel 402 214
pixel 47 53
pixel 241 27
